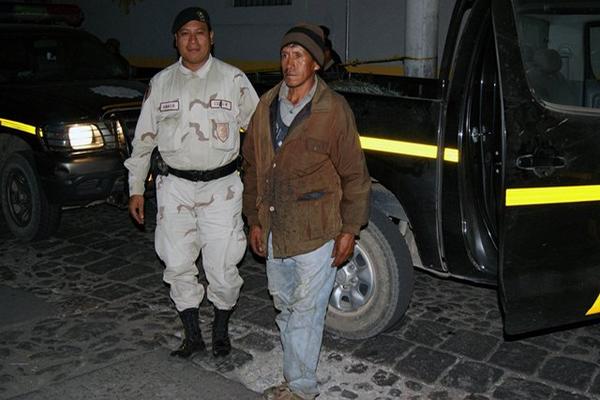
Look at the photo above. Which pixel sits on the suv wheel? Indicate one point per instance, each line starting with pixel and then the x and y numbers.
pixel 373 290
pixel 24 204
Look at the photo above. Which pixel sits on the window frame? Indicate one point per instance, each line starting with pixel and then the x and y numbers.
pixel 261 3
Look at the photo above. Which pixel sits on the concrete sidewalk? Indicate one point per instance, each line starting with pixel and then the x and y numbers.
pixel 152 376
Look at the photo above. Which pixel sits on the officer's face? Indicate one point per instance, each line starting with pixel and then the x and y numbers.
pixel 194 41
pixel 298 66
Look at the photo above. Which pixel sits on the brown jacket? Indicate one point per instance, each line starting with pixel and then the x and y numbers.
pixel 316 185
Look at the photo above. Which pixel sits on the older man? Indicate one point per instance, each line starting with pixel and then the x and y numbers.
pixel 306 197
pixel 193 114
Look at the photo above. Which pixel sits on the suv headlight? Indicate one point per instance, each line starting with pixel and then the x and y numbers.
pixel 85 136
pixel 73 136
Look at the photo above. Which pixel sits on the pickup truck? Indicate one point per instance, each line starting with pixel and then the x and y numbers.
pixel 488 174
pixel 67 108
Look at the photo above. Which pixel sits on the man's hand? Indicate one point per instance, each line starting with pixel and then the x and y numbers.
pixel 256 242
pixel 136 208
pixel 342 249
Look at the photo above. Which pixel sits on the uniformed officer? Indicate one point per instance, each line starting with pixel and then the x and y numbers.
pixel 193 112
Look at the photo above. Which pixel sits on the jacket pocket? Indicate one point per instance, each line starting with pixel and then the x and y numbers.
pixel 316 145
pixel 224 130
pixel 317 214
pixel 316 195
pixel 306 156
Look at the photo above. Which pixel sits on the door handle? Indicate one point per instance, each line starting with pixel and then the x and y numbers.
pixel 541 164
pixel 532 161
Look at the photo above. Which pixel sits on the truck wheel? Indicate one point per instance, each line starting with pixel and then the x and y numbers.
pixel 373 290
pixel 24 204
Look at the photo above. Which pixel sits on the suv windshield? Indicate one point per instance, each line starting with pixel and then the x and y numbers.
pixel 43 56
pixel 560 46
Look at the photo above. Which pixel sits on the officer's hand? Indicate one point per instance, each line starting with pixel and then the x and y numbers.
pixel 342 249
pixel 136 208
pixel 256 242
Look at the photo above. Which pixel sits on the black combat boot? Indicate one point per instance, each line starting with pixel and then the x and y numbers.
pixel 221 346
pixel 192 342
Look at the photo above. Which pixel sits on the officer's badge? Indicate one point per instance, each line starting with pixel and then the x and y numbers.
pixel 221 131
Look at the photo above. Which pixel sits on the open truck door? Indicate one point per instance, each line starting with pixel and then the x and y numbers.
pixel 548 54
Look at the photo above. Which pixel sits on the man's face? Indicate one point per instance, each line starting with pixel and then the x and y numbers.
pixel 298 66
pixel 194 41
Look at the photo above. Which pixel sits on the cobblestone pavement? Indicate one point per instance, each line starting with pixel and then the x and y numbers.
pixel 102 301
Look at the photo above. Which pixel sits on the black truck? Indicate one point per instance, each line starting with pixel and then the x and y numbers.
pixel 67 105
pixel 489 173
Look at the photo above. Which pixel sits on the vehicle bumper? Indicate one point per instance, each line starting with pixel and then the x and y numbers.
pixel 82 180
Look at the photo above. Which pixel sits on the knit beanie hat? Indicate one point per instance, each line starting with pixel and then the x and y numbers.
pixel 190 14
pixel 308 36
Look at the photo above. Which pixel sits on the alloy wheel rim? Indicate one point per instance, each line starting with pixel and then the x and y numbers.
pixel 19 197
pixel 354 283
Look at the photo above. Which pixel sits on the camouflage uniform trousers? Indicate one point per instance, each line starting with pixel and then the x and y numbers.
pixel 194 217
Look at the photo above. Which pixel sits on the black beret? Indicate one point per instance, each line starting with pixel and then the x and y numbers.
pixel 190 14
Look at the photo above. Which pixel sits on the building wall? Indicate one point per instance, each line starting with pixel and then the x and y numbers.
pixel 249 36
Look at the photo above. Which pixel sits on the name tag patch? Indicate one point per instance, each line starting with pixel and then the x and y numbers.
pixel 223 104
pixel 169 106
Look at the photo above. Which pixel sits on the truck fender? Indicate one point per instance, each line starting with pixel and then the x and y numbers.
pixel 10 143
pixel 385 201
pixel 388 204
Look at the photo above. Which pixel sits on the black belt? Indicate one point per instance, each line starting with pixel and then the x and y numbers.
pixel 205 176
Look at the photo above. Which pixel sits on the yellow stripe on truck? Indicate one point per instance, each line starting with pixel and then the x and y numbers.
pixel 514 197
pixel 552 195
pixel 17 125
pixel 406 148
pixel 595 308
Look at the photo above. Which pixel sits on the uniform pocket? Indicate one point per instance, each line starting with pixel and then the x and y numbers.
pixel 169 135
pixel 224 130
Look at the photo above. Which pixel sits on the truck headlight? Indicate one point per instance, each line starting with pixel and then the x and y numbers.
pixel 76 137
pixel 85 136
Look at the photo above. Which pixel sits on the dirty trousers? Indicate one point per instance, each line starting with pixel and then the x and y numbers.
pixel 301 287
pixel 200 216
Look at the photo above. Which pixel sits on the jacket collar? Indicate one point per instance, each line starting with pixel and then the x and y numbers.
pixel 321 101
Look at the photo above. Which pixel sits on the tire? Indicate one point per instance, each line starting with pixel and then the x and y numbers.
pixel 373 290
pixel 25 207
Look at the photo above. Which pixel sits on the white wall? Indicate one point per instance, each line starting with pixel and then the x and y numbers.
pixel 253 33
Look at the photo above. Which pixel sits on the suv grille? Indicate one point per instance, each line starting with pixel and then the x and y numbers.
pixel 127 118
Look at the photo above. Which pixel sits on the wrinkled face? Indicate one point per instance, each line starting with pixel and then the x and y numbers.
pixel 194 41
pixel 298 66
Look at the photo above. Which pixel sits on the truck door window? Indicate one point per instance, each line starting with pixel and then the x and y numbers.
pixel 19 65
pixel 592 75
pixel 57 56
pixel 50 58
pixel 594 51
pixel 554 51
